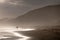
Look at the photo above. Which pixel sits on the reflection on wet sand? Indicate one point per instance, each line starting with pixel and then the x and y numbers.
pixel 4 37
pixel 15 33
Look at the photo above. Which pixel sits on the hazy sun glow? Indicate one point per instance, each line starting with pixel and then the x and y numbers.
pixel 2 1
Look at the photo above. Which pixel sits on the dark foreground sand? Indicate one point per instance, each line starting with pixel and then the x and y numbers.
pixel 52 33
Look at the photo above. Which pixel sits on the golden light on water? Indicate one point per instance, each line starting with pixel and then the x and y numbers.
pixel 19 35
pixel 13 31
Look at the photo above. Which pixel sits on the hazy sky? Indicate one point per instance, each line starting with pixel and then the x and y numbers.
pixel 14 8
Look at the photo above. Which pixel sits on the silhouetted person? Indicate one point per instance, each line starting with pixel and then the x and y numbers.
pixel 17 27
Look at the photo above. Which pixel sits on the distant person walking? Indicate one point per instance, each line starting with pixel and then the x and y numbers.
pixel 17 27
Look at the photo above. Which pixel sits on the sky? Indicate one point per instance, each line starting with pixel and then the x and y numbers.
pixel 15 8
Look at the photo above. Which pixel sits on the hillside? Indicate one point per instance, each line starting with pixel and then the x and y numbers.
pixel 49 15
pixel 46 16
